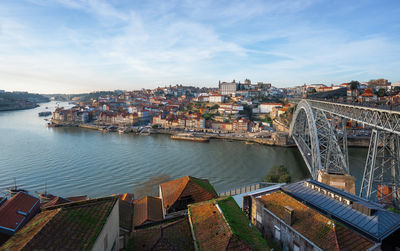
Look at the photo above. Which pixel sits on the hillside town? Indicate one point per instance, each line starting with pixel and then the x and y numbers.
pixel 235 110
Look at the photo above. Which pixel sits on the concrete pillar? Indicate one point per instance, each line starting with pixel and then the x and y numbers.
pixel 344 182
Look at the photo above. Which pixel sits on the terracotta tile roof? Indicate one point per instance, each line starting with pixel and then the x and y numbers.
pixel 128 197
pixel 223 227
pixel 71 226
pixel 313 225
pixel 350 240
pixel 174 235
pixel 147 209
pixel 77 198
pixel 55 201
pixel 15 212
pixel 198 189
pixel 125 215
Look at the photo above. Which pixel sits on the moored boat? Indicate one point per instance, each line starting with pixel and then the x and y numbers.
pixel 14 190
pixel 190 137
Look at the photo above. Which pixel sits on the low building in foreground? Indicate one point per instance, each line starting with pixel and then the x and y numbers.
pixel 177 194
pixel 309 215
pixel 168 235
pixel 147 210
pixel 16 212
pixel 220 225
pixel 86 225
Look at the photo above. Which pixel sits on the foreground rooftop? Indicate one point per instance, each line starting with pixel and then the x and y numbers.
pixel 72 226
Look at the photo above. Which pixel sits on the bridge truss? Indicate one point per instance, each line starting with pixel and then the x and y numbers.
pixel 324 146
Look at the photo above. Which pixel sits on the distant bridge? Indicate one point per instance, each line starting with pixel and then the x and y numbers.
pixel 319 130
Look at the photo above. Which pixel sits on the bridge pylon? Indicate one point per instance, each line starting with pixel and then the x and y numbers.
pixel 381 181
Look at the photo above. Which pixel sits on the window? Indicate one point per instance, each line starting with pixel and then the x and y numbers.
pixel 296 247
pixel 277 233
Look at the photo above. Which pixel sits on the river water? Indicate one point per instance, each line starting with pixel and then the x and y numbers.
pixel 75 161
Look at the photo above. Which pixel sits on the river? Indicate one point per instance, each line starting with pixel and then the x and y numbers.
pixel 76 161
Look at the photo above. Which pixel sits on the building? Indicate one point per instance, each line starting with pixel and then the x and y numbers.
pixel 228 88
pixel 216 98
pixel 147 210
pixel 267 107
pixel 90 225
pixel 16 212
pixel 309 215
pixel 169 235
pixel 221 225
pixel 177 194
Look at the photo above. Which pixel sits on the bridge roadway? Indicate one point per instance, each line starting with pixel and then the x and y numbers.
pixel 383 119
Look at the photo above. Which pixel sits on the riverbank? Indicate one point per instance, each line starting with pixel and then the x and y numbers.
pixel 17 108
pixel 280 139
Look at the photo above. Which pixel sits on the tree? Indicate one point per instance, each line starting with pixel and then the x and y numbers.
pixel 214 107
pixel 381 92
pixel 396 89
pixel 354 85
pixel 278 174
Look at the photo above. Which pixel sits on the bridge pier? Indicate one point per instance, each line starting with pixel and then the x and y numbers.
pixel 344 182
pixel 381 173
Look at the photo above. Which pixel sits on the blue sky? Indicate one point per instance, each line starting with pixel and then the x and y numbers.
pixel 72 46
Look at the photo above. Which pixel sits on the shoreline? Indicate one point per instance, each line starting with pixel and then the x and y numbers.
pixel 352 142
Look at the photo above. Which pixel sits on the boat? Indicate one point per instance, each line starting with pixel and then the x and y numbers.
pixel 44 114
pixel 190 137
pixel 14 190
pixel 249 143
pixel 45 196
pixel 52 125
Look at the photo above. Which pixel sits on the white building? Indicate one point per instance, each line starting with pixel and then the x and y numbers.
pixel 216 99
pixel 267 107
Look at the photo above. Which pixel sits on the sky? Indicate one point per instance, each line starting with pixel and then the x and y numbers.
pixel 73 46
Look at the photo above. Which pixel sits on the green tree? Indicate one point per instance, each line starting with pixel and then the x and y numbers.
pixel 278 174
pixel 354 85
pixel 214 107
pixel 381 92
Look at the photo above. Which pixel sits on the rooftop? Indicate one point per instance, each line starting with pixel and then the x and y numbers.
pixel 366 217
pixel 14 211
pixel 71 226
pixel 220 225
pixel 199 189
pixel 173 235
pixel 313 225
pixel 147 209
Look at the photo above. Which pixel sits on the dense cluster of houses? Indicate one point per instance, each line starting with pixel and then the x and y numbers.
pixel 233 107
pixel 188 214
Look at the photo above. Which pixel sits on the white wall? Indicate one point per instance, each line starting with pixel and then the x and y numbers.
pixel 110 231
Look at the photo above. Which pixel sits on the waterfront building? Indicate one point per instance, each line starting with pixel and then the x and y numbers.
pixel 177 194
pixel 221 225
pixel 311 215
pixel 16 212
pixel 86 225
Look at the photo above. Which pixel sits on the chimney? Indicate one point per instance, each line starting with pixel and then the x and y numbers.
pixel 289 215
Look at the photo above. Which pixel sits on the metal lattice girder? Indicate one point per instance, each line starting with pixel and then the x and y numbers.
pixel 381 174
pixel 386 120
pixel 316 140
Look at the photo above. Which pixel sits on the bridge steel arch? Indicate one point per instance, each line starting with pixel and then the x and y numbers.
pixel 315 137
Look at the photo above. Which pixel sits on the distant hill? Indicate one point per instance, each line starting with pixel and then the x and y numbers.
pixel 20 100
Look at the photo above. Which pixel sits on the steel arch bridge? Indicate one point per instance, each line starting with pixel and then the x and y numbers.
pixel 314 128
pixel 314 134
